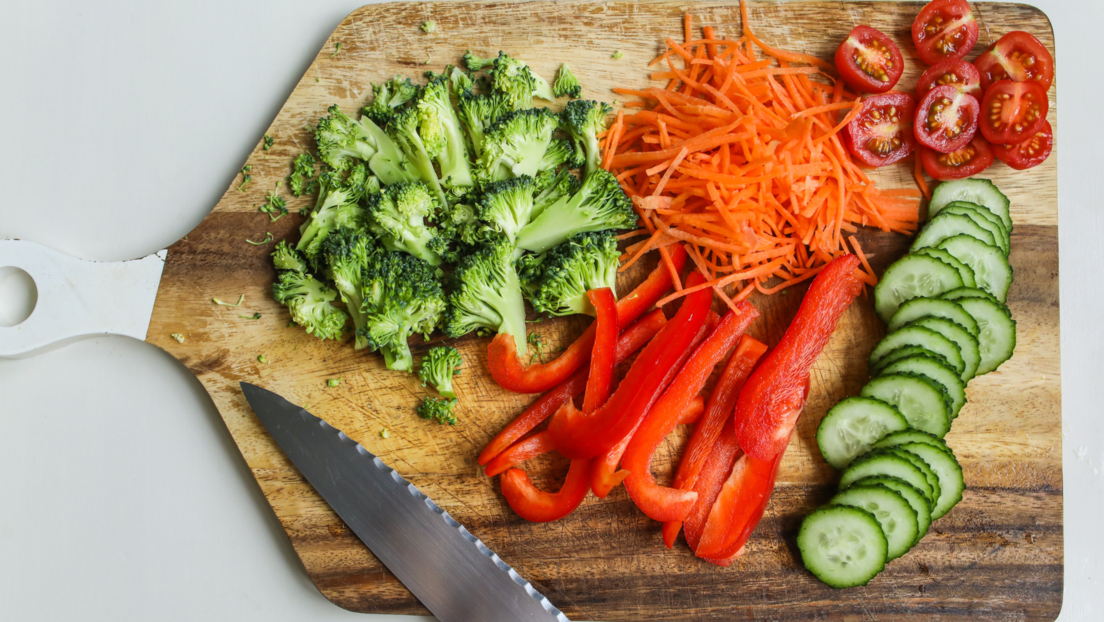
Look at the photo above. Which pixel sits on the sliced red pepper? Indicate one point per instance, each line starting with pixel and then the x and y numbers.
pixel 768 405
pixel 693 411
pixel 634 338
pixel 600 378
pixel 505 363
pixel 578 436
pixel 538 506
pixel 531 447
pixel 713 475
pixel 604 474
pixel 660 502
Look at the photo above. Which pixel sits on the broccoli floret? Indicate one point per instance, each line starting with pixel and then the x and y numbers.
pixel 599 204
pixel 556 282
pixel 458 229
pixel 553 186
pixel 347 254
pixel 407 129
pixel 486 294
pixel 459 80
pixel 397 215
pixel 479 112
pixel 439 365
pixel 440 130
pixel 516 143
pixel 506 205
pixel 438 409
pixel 388 96
pixel 400 296
pixel 336 208
pixel 342 140
pixel 475 63
pixel 584 119
pixel 566 83
pixel 561 152
pixel 301 181
pixel 309 301
pixel 519 82
pixel 286 258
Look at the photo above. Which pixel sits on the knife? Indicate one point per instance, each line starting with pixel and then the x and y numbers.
pixel 448 569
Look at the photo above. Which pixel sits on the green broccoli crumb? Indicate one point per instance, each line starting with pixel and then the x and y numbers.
pixel 439 365
pixel 333 382
pixel 618 55
pixel 246 177
pixel 255 316
pixel 268 142
pixel 268 238
pixel 429 26
pixel 275 205
pixel 178 337
pixel 385 433
pixel 262 358
pixel 337 50
pixel 227 304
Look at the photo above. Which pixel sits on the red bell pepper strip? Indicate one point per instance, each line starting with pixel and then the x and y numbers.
pixel 660 502
pixel 693 411
pixel 712 477
pixel 505 363
pixel 600 378
pixel 604 474
pixel 767 407
pixel 531 447
pixel 538 506
pixel 578 436
pixel 634 338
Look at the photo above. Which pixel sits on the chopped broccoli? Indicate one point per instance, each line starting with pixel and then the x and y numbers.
pixel 342 140
pixel 397 215
pixel 438 409
pixel 439 365
pixel 561 152
pixel 275 205
pixel 268 142
pixel 301 180
pixel 459 80
pixel 599 204
pixel 309 301
pixel 516 79
pixel 246 177
pixel 286 258
pixel 400 296
pixel 429 26
pixel 566 83
pixel 556 282
pixel 335 208
pixel 386 97
pixel 486 294
pixel 347 254
pixel 618 55
pixel 506 205
pixel 479 112
pixel 458 229
pixel 584 119
pixel 406 128
pixel 516 143
pixel 440 129
pixel 475 63
pixel 553 186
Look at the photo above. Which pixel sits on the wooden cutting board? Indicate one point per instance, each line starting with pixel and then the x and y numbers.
pixel 998 555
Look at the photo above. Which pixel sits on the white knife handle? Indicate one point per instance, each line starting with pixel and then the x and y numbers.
pixel 78 298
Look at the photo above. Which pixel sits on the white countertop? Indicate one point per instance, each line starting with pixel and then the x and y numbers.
pixel 124 496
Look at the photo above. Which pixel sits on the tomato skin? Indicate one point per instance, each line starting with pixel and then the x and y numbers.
pixel 1012 112
pixel 884 120
pixel 869 61
pixel 944 29
pixel 953 72
pixel 966 162
pixel 1030 153
pixel 946 119
pixel 1016 56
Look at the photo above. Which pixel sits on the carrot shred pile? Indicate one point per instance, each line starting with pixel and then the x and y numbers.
pixel 739 158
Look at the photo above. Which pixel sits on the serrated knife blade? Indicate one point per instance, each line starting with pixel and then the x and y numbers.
pixel 448 569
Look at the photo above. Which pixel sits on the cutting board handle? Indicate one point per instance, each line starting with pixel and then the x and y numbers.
pixel 78 298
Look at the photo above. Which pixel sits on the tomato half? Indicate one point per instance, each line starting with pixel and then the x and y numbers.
pixel 1031 152
pixel 869 61
pixel 882 132
pixel 952 72
pixel 1012 112
pixel 944 29
pixel 946 119
pixel 970 160
pixel 1017 56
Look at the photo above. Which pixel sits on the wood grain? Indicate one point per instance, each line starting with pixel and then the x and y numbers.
pixel 998 555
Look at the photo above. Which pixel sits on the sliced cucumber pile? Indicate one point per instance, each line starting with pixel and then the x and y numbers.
pixel 944 306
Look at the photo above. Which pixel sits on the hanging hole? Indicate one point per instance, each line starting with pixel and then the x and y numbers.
pixel 18 296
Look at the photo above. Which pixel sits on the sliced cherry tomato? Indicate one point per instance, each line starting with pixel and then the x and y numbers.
pixel 952 72
pixel 882 132
pixel 970 160
pixel 1029 153
pixel 1012 112
pixel 1017 56
pixel 946 119
pixel 944 29
pixel 869 61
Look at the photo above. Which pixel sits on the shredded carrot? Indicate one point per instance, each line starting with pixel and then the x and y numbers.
pixel 918 172
pixel 739 159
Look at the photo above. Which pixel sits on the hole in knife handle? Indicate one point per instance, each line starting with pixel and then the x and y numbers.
pixel 18 296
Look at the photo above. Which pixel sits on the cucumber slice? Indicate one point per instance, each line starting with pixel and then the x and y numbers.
pixel 985 219
pixel 895 516
pixel 980 191
pixel 924 403
pixel 842 546
pixel 912 436
pixel 997 336
pixel 917 336
pixel 949 472
pixel 932 369
pixel 933 307
pixel 964 271
pixel 967 292
pixel 915 498
pixel 925 468
pixel 913 276
pixel 991 269
pixel 879 463
pixel 967 343
pixel 903 353
pixel 946 226
pixel 853 425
